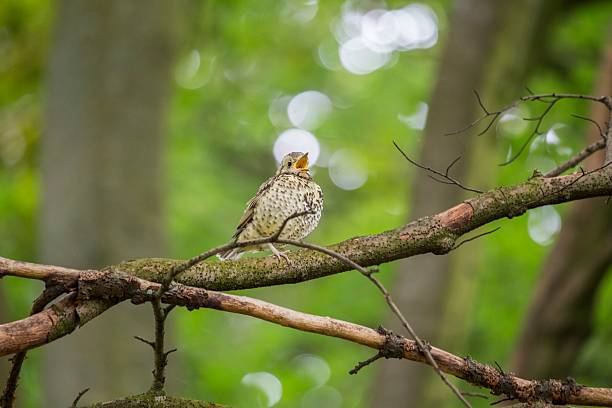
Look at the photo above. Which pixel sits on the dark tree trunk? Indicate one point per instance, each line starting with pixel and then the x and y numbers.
pixel 102 176
pixel 560 316
pixel 494 65
pixel 422 281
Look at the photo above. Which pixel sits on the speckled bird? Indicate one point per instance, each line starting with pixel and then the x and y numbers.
pixel 290 191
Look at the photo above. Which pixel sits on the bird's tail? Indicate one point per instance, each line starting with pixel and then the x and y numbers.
pixel 231 254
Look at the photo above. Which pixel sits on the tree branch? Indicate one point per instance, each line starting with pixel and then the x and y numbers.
pixel 47 324
pixel 8 396
pixel 432 234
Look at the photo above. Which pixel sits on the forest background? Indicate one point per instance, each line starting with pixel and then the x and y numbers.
pixel 132 129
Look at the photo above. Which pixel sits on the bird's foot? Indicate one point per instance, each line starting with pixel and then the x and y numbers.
pixel 279 254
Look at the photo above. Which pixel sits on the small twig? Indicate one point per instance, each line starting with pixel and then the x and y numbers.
pixel 535 132
pixel 78 397
pixel 149 342
pixel 446 179
pixel 549 99
pixel 493 115
pixel 392 305
pixel 474 394
pixel 161 314
pixel 161 357
pixel 501 400
pixel 364 363
pixel 465 241
pixel 422 347
pixel 167 310
pixel 577 159
pixel 594 122
pixel 8 396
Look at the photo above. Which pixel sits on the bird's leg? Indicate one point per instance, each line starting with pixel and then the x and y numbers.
pixel 278 254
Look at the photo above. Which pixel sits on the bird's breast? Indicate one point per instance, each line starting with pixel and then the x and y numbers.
pixel 287 196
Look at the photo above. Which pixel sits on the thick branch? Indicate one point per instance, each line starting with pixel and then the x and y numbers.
pixel 433 234
pixel 60 319
pixel 47 324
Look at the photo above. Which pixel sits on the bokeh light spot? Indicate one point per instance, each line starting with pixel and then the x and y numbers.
pixel 308 109
pixel 543 224
pixel 267 383
pixel 416 120
pixel 358 59
pixel 193 71
pixel 301 11
pixel 347 170
pixel 296 140
pixel 322 397
pixel 369 40
pixel 314 367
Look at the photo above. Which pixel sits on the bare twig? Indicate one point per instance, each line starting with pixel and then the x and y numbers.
pixel 78 397
pixel 577 159
pixel 535 132
pixel 365 363
pixel 550 99
pixel 161 356
pixel 475 394
pixel 465 241
pixel 423 348
pixel 145 341
pixel 602 134
pixel 161 314
pixel 446 179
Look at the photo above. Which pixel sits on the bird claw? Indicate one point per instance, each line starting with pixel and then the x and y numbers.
pixel 283 256
pixel 279 254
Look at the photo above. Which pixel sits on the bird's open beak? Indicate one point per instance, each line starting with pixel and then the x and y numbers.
pixel 302 163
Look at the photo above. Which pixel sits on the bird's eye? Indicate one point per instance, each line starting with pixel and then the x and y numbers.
pixel 289 163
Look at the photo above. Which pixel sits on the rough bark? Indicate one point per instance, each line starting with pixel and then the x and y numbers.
pixel 148 401
pixel 65 316
pixel 437 234
pixel 431 234
pixel 560 315
pixel 101 159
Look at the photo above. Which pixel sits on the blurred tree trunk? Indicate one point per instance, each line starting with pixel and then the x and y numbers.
pixel 501 43
pixel 102 176
pixel 422 281
pixel 559 320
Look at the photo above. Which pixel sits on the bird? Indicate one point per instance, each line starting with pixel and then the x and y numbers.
pixel 291 191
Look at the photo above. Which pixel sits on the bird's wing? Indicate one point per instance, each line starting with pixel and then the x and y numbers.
pixel 249 212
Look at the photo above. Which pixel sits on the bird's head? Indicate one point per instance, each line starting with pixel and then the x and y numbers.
pixel 294 163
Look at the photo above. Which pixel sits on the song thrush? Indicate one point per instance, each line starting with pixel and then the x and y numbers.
pixel 289 192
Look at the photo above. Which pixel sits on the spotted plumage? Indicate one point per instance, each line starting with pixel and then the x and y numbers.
pixel 290 191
